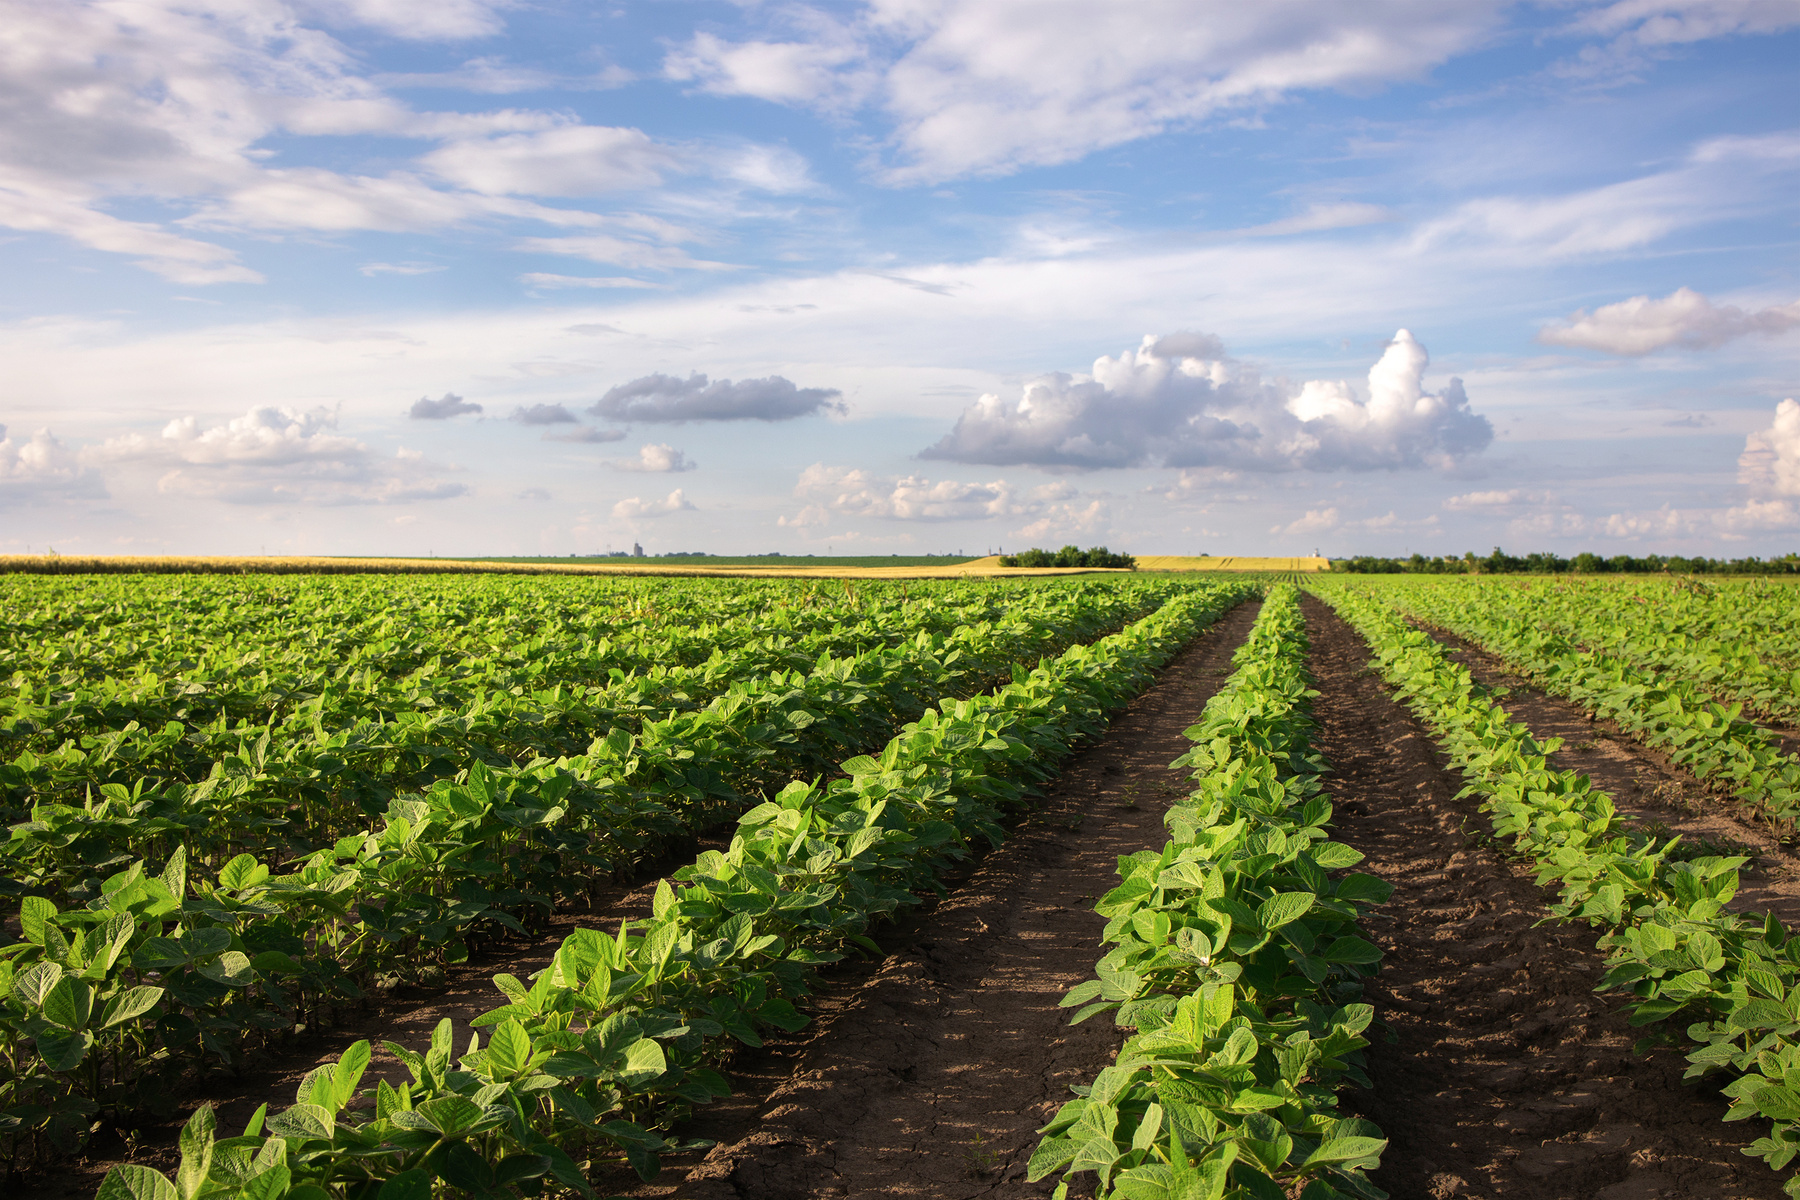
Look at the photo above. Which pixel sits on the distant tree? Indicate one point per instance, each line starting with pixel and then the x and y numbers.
pixel 1069 556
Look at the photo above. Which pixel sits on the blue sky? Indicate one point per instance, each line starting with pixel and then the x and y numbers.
pixel 908 276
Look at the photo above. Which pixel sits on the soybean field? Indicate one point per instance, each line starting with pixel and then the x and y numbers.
pixel 1140 886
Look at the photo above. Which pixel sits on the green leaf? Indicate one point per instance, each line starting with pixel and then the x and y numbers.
pixel 450 1114
pixel 407 1185
pixel 197 1138
pixel 509 1049
pixel 348 1073
pixel 33 912
pixel 34 983
pixel 231 968
pixel 70 1003
pixel 1284 908
pixel 1352 950
pixel 242 872
pixel 129 1005
pixel 1345 1149
pixel 61 1050
pixel 303 1121
pixel 131 1182
pixel 644 1063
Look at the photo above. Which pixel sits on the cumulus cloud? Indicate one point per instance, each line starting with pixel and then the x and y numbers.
pixel 656 457
pixel 42 468
pixel 846 491
pixel 1771 458
pixel 666 398
pixel 1684 318
pixel 442 409
pixel 1476 501
pixel 543 414
pixel 276 455
pixel 637 507
pixel 1172 403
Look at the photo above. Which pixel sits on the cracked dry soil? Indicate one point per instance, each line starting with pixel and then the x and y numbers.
pixel 1508 1076
pixel 929 1077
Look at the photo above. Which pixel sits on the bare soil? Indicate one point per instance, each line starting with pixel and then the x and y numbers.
pixel 930 1076
pixel 1507 1076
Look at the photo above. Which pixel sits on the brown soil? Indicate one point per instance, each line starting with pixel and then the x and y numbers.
pixel 1649 788
pixel 929 1076
pixel 1507 1075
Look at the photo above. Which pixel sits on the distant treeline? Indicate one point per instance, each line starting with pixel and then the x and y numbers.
pixel 1069 556
pixel 1502 563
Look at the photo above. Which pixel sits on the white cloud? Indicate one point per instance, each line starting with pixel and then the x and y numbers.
pixel 545 281
pixel 575 160
pixel 665 398
pixel 442 409
pixel 1771 458
pixel 604 248
pixel 637 507
pixel 1476 501
pixel 1314 520
pixel 42 468
pixel 587 435
pixel 970 88
pixel 274 455
pixel 1321 217
pixel 543 414
pixel 829 72
pixel 373 269
pixel 858 493
pixel 1159 406
pixel 656 456
pixel 1757 516
pixel 1678 22
pixel 851 492
pixel 441 20
pixel 1684 318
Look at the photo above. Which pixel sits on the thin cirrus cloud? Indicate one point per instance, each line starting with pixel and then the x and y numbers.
pixel 277 455
pixel 587 435
pixel 969 89
pixel 664 398
pixel 175 103
pixel 442 409
pixel 1684 319
pixel 1177 401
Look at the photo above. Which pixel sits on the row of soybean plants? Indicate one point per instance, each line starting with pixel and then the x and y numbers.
pixel 602 1052
pixel 1723 985
pixel 309 726
pixel 104 1003
pixel 1237 962
pixel 1661 706
pixel 1721 636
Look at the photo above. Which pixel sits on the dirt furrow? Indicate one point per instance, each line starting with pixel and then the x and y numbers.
pixel 1507 1076
pixel 929 1076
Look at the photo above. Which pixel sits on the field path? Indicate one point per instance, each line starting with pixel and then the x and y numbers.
pixel 929 1076
pixel 1509 1077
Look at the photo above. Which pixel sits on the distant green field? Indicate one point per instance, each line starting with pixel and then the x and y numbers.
pixel 748 560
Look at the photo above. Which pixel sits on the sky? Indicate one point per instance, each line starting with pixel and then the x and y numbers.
pixel 521 277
